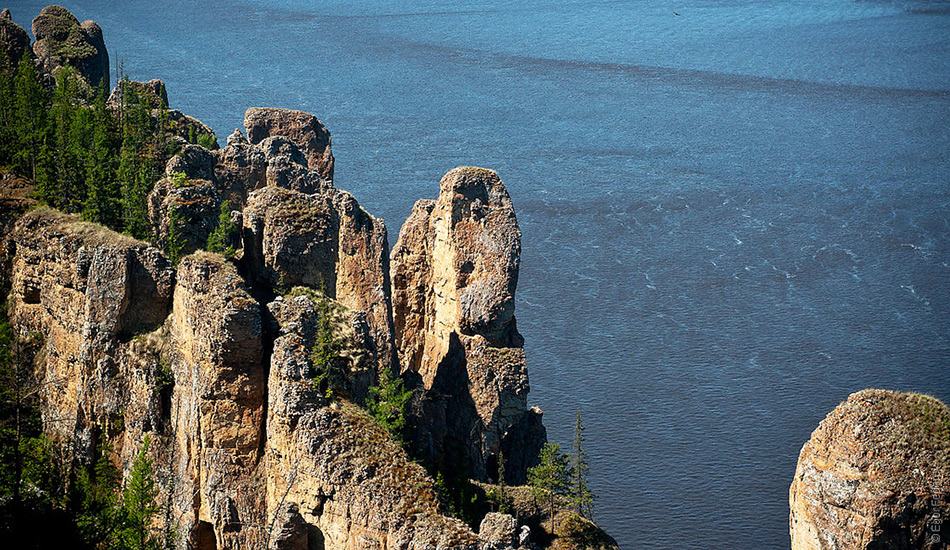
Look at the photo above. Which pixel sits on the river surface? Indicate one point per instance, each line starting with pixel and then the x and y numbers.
pixel 735 212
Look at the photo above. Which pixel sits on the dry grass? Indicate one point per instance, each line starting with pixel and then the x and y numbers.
pixel 905 435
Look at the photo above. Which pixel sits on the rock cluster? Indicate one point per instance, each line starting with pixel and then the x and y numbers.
pixel 14 41
pixel 212 357
pixel 874 475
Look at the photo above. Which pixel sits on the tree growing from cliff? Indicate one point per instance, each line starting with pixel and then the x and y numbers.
pixel 221 240
pixel 326 354
pixel 581 497
pixel 140 502
pixel 99 517
pixel 550 479
pixel 387 403
pixel 175 244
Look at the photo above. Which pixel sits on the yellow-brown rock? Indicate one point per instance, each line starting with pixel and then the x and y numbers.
pixel 454 272
pixel 874 475
pixel 323 240
pixel 353 485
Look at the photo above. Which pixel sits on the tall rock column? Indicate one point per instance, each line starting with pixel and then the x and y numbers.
pixel 218 405
pixel 875 475
pixel 454 273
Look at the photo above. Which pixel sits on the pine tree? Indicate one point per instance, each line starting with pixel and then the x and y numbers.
pixel 175 246
pixel 387 403
pixel 103 200
pixel 581 496
pixel 140 502
pixel 551 478
pixel 7 108
pixel 99 515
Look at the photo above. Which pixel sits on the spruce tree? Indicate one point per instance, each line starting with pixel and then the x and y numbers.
pixel 387 403
pixel 30 119
pixel 581 496
pixel 140 502
pixel 222 238
pixel 326 353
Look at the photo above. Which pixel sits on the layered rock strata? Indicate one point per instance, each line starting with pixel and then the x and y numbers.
pixel 874 475
pixel 454 272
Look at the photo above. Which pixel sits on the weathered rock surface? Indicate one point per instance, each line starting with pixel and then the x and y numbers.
pixel 323 240
pixel 354 486
pixel 87 290
pixel 14 41
pixel 498 531
pixel 216 353
pixel 62 41
pixel 454 272
pixel 302 129
pixel 873 474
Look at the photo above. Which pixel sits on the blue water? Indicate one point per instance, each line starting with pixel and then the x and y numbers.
pixel 733 217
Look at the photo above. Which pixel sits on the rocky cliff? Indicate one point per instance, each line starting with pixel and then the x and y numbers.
pixel 874 475
pixel 210 357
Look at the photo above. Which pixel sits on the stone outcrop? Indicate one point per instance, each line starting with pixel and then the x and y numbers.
pixel 353 485
pixel 874 475
pixel 216 356
pixel 454 273
pixel 14 41
pixel 87 291
pixel 62 41
pixel 152 92
pixel 327 241
pixel 301 129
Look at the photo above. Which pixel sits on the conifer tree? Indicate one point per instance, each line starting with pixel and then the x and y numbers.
pixel 140 502
pixel 30 119
pixel 581 496
pixel 387 403
pixel 326 353
pixel 551 478
pixel 222 238
pixel 99 516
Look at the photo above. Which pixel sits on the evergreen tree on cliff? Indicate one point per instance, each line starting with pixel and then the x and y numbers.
pixel 581 496
pixel 139 502
pixel 551 478
pixel 30 119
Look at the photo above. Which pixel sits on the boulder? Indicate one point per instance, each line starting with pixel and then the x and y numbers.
pixel 454 273
pixel 498 531
pixel 62 41
pixel 875 474
pixel 302 129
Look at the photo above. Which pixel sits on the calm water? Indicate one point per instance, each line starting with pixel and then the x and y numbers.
pixel 733 217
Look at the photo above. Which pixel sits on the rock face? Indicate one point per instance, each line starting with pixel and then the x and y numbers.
pixel 323 240
pixel 353 485
pixel 301 129
pixel 14 41
pixel 62 41
pixel 153 92
pixel 454 272
pixel 218 405
pixel 87 291
pixel 874 475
